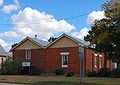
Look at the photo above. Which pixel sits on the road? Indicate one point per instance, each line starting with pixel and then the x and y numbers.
pixel 10 84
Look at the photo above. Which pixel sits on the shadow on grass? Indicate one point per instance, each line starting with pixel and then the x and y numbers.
pixel 61 83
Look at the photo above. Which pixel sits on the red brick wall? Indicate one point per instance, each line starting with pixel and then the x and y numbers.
pixel 37 56
pixel 19 53
pixel 50 60
pixel 110 65
pixel 89 61
pixel 53 60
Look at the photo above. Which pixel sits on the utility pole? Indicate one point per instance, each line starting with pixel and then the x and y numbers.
pixel 115 0
pixel 81 57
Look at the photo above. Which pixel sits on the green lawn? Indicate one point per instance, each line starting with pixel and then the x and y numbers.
pixel 103 81
pixel 53 80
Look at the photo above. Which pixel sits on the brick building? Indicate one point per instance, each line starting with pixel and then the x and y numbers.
pixel 61 53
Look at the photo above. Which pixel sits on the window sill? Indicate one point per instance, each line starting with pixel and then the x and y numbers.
pixel 95 66
pixel 64 66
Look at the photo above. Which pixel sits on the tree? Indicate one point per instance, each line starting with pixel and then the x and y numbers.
pixel 105 33
pixel 14 45
pixel 52 39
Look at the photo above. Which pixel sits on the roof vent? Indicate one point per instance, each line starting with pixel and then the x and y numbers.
pixel 35 36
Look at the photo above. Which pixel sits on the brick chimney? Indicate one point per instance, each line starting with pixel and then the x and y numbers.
pixel 35 36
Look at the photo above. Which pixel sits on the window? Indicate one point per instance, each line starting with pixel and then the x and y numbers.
pixel 28 54
pixel 100 61
pixel 95 60
pixel 64 56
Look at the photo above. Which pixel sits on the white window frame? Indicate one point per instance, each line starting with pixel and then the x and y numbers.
pixel 108 62
pixel 115 64
pixel 95 60
pixel 28 54
pixel 63 55
pixel 100 61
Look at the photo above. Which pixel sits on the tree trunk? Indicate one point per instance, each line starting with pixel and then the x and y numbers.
pixel 105 59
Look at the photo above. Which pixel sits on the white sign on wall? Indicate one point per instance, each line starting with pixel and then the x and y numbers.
pixel 25 63
pixel 81 53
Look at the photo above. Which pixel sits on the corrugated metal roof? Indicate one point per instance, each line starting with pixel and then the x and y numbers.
pixel 82 41
pixel 41 42
pixel 2 51
pixel 45 43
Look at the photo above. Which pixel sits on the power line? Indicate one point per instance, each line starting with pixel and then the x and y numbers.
pixel 73 17
pixel 67 18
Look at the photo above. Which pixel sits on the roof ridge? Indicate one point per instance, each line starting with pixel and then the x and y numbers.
pixel 77 39
pixel 33 40
pixel 40 41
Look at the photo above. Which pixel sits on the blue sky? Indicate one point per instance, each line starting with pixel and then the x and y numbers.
pixel 21 18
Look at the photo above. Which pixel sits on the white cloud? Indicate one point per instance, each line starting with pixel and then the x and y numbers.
pixel 1 2
pixel 31 21
pixel 83 32
pixel 95 15
pixel 3 43
pixel 9 34
pixel 8 8
pixel 17 3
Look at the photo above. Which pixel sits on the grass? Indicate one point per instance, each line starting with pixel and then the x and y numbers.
pixel 58 80
pixel 103 81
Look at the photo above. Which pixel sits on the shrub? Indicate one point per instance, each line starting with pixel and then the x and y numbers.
pixel 59 71
pixel 8 67
pixel 18 65
pixel 70 74
pixel 36 71
pixel 115 73
pixel 86 72
pixel 25 70
pixel 104 72
pixel 91 74
pixel 12 67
